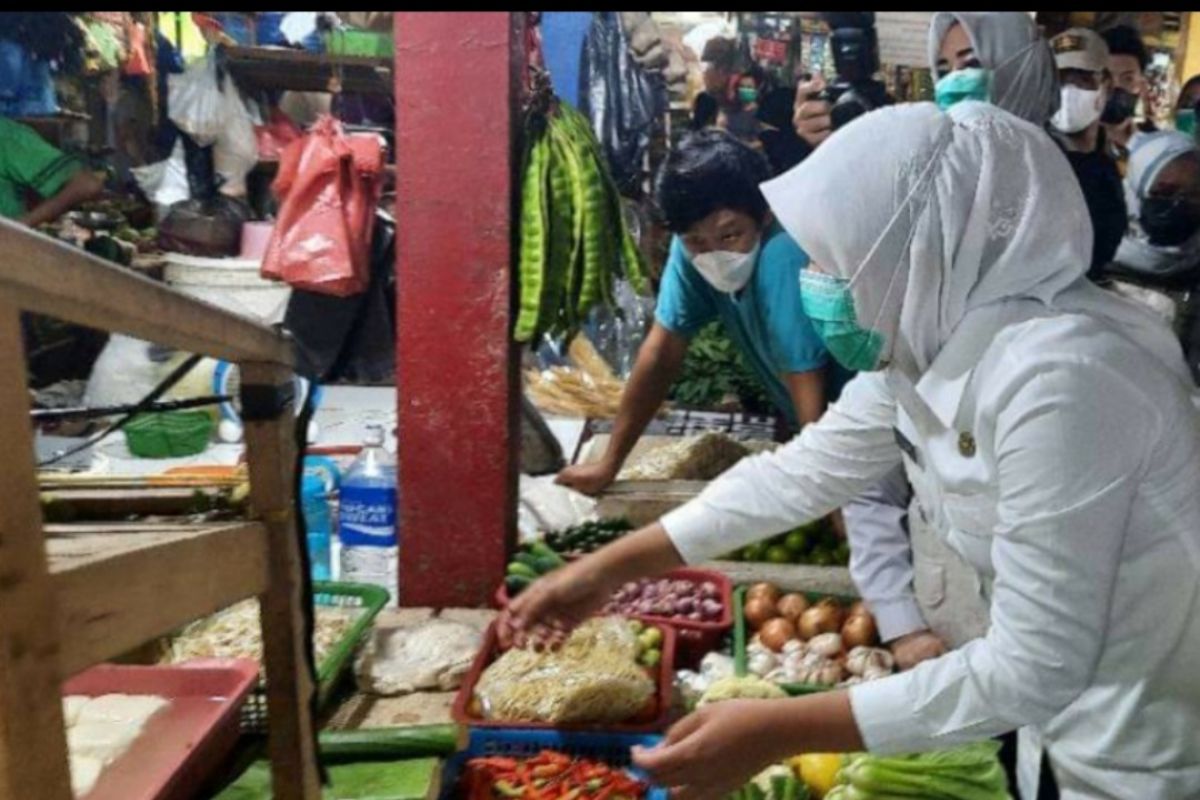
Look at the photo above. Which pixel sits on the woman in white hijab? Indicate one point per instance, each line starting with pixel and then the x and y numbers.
pixel 1049 430
pixel 1004 61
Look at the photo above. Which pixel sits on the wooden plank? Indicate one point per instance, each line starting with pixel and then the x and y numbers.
pixel 788 577
pixel 55 279
pixel 33 745
pixel 100 504
pixel 120 590
pixel 271 453
pixel 299 71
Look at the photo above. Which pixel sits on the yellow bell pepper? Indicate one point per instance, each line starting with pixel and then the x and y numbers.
pixel 818 771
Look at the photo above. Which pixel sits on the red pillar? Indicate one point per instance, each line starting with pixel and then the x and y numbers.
pixel 456 88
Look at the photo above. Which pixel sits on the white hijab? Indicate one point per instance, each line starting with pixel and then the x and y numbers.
pixel 1024 75
pixel 1149 154
pixel 932 215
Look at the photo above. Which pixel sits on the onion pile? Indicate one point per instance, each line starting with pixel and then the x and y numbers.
pixel 671 599
pixel 800 641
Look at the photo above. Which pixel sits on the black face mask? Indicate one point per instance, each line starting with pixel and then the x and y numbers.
pixel 1120 107
pixel 1169 221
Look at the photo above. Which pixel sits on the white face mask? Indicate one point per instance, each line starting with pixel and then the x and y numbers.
pixel 726 270
pixel 1079 108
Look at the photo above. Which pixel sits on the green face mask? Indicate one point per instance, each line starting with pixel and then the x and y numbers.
pixel 972 83
pixel 1185 122
pixel 747 94
pixel 828 303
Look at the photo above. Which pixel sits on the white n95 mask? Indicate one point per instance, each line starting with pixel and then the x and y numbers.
pixel 726 270
pixel 1078 109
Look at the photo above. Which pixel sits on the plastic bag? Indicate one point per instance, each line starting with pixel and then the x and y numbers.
pixel 235 151
pixel 165 182
pixel 329 184
pixel 137 63
pixel 195 102
pixel 620 98
pixel 204 227
pixel 278 132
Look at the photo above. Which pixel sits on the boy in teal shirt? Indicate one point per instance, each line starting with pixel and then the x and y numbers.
pixel 730 261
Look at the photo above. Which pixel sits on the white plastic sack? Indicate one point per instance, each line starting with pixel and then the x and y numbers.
pixel 194 101
pixel 165 182
pixel 235 151
pixel 545 506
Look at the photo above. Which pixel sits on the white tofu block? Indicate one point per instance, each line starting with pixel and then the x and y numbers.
pixel 85 771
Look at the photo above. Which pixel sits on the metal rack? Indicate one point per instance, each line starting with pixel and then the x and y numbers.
pixel 74 595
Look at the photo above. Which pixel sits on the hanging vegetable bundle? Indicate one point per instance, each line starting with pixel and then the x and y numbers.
pixel 573 241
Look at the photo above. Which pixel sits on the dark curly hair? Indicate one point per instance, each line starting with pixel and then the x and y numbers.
pixel 711 170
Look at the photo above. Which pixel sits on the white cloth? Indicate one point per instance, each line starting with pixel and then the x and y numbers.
pixel 1150 153
pixel 1024 75
pixel 1072 492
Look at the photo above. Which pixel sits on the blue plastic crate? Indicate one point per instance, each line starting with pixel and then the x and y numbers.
pixel 611 748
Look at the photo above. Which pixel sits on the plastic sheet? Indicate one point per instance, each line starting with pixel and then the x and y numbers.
pixel 620 98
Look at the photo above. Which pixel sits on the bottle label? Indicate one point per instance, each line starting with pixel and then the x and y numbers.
pixel 368 516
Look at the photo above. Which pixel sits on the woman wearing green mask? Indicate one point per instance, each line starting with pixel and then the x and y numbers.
pixel 1050 432
pixel 995 57
pixel 740 116
pixel 1185 106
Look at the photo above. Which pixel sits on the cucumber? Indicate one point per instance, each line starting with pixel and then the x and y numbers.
pixel 515 584
pixel 518 570
pixel 540 550
pixel 528 559
pixel 389 743
pixel 544 565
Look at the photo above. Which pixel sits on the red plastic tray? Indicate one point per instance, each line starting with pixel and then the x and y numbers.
pixel 182 745
pixel 695 639
pixel 491 649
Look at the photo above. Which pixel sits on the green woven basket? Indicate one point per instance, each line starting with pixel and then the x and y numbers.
pixel 169 434
pixel 367 44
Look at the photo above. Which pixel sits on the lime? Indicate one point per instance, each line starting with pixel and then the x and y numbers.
pixel 796 542
pixel 820 558
pixel 778 555
pixel 841 555
pixel 754 552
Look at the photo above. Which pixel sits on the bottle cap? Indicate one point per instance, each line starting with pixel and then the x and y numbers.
pixel 374 436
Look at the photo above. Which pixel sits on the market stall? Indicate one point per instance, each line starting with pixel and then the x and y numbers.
pixel 250 563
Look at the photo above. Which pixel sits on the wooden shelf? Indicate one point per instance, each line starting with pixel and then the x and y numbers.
pixel 72 596
pixel 274 68
pixel 121 586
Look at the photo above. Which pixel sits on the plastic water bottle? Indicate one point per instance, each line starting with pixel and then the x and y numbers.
pixel 317 489
pixel 370 549
pixel 315 501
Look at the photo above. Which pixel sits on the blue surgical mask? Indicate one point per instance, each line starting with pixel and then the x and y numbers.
pixel 829 304
pixel 972 83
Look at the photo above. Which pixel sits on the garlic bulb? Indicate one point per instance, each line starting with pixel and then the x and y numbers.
pixel 794 646
pixel 862 659
pixel 830 674
pixel 827 644
pixel 715 666
pixel 762 663
pixel 874 673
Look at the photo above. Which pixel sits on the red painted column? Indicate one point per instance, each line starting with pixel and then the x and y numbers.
pixel 456 85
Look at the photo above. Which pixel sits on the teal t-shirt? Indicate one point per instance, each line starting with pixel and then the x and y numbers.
pixel 765 320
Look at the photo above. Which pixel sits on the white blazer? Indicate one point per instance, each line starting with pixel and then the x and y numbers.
pixel 1062 462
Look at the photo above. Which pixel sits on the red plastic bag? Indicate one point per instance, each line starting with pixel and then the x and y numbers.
pixel 329 184
pixel 276 135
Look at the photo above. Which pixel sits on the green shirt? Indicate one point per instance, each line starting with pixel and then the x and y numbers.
pixel 28 162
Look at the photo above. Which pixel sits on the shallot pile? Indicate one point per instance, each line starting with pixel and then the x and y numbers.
pixel 678 599
pixel 798 641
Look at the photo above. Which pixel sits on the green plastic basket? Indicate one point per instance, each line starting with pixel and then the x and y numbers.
pixel 169 434
pixel 371 599
pixel 741 639
pixel 366 44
